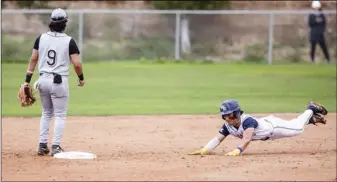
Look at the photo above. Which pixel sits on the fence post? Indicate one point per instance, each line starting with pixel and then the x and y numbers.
pixel 271 38
pixel 177 37
pixel 80 34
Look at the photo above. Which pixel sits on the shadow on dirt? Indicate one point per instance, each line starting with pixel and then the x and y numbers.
pixel 290 153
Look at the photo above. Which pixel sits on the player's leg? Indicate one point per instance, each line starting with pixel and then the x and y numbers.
pixel 325 50
pixel 60 97
pixel 313 50
pixel 47 114
pixel 290 128
pixel 296 126
pixel 302 120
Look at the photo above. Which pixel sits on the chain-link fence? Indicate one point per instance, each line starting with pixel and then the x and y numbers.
pixel 20 30
pixel 228 37
pixel 105 35
pixel 128 37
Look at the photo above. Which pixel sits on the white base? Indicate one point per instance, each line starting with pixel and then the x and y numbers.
pixel 75 155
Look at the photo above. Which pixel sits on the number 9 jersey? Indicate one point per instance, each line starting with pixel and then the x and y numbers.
pixel 54 52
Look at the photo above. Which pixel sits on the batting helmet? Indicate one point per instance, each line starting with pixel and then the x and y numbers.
pixel 230 106
pixel 58 21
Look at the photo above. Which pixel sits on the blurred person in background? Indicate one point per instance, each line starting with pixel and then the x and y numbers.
pixel 317 25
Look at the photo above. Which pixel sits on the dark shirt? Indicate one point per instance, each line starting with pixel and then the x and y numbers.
pixel 317 24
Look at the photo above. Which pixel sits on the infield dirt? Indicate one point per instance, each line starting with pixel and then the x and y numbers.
pixel 155 147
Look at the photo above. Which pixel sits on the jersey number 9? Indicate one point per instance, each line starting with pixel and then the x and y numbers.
pixel 52 57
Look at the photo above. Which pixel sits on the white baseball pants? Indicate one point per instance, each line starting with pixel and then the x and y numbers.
pixel 289 128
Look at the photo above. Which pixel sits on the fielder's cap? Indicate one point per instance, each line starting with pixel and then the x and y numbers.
pixel 315 4
pixel 58 15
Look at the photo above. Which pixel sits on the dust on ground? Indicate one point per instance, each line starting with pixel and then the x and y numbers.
pixel 155 147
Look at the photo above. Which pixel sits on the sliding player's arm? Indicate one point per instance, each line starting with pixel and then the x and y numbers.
pixel 213 143
pixel 249 126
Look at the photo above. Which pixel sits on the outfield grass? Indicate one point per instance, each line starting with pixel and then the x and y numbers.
pixel 135 88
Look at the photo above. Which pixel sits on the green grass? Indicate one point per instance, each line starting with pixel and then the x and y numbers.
pixel 136 88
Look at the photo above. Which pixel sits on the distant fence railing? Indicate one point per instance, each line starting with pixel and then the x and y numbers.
pixel 165 35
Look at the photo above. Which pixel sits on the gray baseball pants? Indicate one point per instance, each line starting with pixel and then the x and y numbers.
pixel 54 98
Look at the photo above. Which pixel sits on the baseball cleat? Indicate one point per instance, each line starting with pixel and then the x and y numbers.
pixel 317 119
pixel 56 149
pixel 43 149
pixel 317 108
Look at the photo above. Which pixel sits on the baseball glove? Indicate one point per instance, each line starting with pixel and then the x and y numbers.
pixel 26 96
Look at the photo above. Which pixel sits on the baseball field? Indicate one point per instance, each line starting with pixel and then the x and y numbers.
pixel 142 119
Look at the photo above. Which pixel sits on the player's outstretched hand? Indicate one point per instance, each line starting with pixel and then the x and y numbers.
pixel 81 83
pixel 235 152
pixel 200 152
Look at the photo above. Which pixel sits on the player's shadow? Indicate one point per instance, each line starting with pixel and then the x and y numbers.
pixel 313 152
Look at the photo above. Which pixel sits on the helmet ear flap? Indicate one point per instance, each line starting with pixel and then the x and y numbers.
pixel 237 114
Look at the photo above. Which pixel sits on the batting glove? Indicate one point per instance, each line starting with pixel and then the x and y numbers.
pixel 235 152
pixel 200 152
